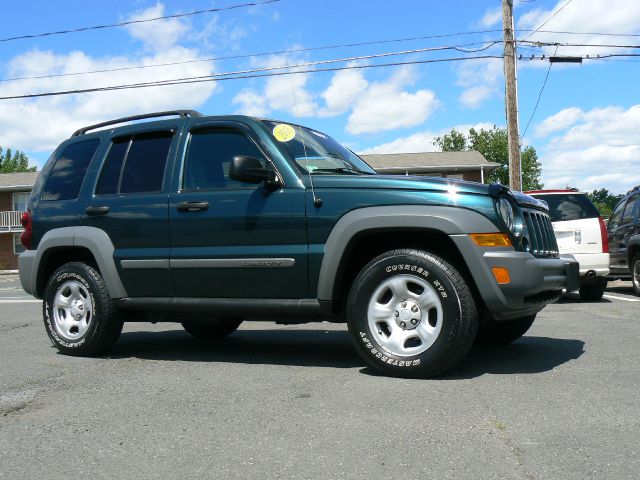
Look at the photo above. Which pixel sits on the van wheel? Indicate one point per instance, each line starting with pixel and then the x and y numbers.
pixel 217 327
pixel 504 332
pixel 635 274
pixel 593 292
pixel 78 312
pixel 411 314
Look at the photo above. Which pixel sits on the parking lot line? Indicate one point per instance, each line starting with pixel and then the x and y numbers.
pixel 614 297
pixel 16 300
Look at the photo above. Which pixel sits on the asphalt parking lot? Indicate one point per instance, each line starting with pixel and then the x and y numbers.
pixel 297 402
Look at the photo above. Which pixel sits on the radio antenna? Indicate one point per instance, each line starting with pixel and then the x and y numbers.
pixel 317 202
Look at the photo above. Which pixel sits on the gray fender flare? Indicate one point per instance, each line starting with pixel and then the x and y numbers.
pixel 448 220
pixel 95 240
pixel 632 246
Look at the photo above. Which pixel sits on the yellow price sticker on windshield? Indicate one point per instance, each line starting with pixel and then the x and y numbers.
pixel 283 132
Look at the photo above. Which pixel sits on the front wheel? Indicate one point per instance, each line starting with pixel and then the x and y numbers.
pixel 635 274
pixel 411 314
pixel 504 332
pixel 216 327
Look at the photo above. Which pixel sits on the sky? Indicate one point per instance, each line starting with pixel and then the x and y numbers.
pixel 586 128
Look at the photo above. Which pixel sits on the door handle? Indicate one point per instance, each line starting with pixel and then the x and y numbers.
pixel 192 206
pixel 97 210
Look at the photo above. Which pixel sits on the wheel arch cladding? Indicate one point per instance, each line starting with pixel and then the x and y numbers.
pixel 441 219
pixel 75 239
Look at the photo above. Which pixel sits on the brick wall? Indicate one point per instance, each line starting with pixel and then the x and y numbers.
pixel 8 260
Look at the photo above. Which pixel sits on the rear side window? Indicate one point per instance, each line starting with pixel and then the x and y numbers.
pixel 68 172
pixel 135 164
pixel 628 214
pixel 567 206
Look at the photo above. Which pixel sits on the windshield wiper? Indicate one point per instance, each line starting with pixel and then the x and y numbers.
pixel 348 171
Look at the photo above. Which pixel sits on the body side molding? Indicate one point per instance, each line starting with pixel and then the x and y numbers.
pixel 445 219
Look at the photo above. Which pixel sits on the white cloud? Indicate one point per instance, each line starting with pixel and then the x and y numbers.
pixel 620 16
pixel 40 124
pixel 345 87
pixel 157 35
pixel 481 80
pixel 420 141
pixel 251 103
pixel 560 121
pixel 387 106
pixel 491 17
pixel 600 149
pixel 286 93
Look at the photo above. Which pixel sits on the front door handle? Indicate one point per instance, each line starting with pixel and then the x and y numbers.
pixel 192 206
pixel 97 210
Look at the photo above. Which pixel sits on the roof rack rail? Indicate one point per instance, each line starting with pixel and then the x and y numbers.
pixel 181 113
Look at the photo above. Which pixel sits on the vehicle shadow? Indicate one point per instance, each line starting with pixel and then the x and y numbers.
pixel 574 297
pixel 333 349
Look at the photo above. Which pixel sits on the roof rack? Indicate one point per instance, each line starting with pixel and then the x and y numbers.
pixel 633 189
pixel 181 113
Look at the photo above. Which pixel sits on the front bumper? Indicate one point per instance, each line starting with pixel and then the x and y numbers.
pixel 535 282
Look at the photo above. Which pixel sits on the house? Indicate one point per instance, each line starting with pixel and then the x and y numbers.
pixel 465 165
pixel 15 189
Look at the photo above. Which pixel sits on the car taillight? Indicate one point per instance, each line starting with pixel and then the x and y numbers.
pixel 604 235
pixel 25 238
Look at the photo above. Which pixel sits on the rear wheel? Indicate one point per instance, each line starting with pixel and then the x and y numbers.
pixel 504 332
pixel 593 291
pixel 635 274
pixel 411 314
pixel 217 327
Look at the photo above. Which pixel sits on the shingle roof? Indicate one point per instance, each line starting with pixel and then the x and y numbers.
pixel 17 181
pixel 429 161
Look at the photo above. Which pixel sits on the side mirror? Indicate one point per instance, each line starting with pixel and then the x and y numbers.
pixel 250 170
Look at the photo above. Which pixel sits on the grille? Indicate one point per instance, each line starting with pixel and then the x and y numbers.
pixel 541 237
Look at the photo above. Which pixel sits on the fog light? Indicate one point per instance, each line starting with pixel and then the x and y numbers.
pixel 491 239
pixel 501 275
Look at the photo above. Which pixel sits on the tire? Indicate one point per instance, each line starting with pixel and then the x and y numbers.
pixel 635 275
pixel 592 292
pixel 504 332
pixel 217 327
pixel 411 314
pixel 78 312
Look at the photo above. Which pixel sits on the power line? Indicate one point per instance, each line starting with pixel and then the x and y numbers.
pixel 544 84
pixel 251 55
pixel 595 34
pixel 193 80
pixel 131 22
pixel 549 19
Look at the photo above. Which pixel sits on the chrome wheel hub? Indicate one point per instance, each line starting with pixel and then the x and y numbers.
pixel 72 310
pixel 405 315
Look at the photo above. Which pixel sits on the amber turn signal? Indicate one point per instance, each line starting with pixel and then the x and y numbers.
pixel 491 239
pixel 501 275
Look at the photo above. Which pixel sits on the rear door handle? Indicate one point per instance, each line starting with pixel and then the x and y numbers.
pixel 97 210
pixel 192 206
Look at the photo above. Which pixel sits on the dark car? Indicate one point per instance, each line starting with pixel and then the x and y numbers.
pixel 207 221
pixel 624 239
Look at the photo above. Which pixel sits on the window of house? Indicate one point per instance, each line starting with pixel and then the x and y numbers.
pixel 17 244
pixel 135 164
pixel 209 156
pixel 68 172
pixel 21 201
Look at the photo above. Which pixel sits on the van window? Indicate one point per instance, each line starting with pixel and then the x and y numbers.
pixel 68 172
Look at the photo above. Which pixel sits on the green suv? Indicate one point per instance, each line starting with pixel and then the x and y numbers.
pixel 209 220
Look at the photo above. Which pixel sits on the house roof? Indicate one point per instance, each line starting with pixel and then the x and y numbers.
pixel 15 182
pixel 429 161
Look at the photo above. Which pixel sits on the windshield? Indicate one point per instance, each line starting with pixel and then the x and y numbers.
pixel 563 207
pixel 316 152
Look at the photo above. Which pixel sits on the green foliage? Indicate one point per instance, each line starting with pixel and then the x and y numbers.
pixel 604 201
pixel 11 162
pixel 493 145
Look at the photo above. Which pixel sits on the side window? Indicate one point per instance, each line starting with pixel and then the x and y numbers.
pixel 135 164
pixel 209 155
pixel 67 174
pixel 627 216
pixel 614 221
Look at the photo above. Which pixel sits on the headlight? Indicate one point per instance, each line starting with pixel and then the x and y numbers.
pixel 507 213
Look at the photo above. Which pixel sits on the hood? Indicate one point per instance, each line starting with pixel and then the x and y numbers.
pixel 400 182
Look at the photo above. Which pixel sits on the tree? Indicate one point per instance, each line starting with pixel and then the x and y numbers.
pixel 604 201
pixel 493 145
pixel 14 162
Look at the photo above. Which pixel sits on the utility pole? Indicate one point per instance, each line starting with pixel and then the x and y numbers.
pixel 511 96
